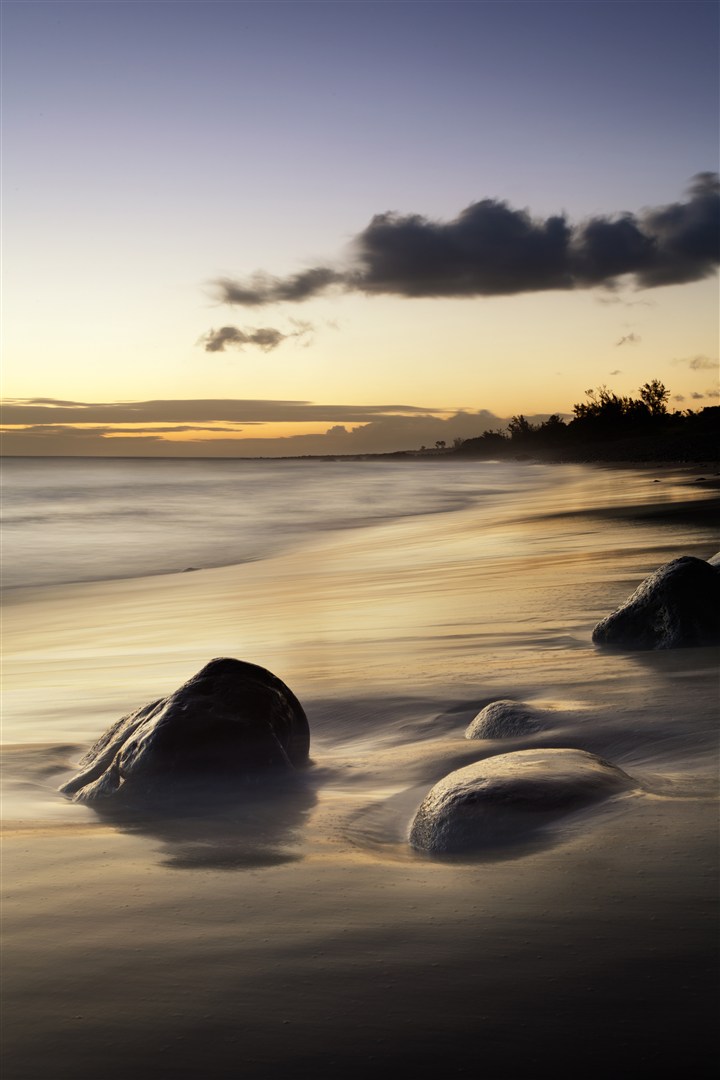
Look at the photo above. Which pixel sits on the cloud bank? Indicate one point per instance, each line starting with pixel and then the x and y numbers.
pixel 490 249
pixel 44 426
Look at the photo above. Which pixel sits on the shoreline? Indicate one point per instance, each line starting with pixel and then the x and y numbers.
pixel 677 473
pixel 598 454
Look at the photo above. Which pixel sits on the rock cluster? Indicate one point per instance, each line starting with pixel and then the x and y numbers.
pixel 234 721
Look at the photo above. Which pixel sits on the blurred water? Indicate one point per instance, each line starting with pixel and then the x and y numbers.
pixel 75 519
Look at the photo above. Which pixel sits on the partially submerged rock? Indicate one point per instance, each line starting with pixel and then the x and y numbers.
pixel 228 723
pixel 504 719
pixel 677 606
pixel 506 799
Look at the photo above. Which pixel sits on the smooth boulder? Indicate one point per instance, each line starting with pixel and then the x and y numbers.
pixel 504 719
pixel 678 606
pixel 507 799
pixel 229 723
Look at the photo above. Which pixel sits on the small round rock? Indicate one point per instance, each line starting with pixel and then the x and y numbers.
pixel 507 799
pixel 504 719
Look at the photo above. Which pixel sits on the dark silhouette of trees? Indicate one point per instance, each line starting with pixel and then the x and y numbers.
pixel 654 396
pixel 520 429
pixel 491 439
pixel 607 415
pixel 608 426
pixel 553 427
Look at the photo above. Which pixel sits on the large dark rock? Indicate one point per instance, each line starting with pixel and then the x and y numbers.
pixel 677 606
pixel 506 800
pixel 226 725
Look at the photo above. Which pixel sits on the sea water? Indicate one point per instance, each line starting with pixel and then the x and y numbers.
pixel 86 519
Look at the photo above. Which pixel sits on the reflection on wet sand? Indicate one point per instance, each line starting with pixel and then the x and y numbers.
pixel 219 827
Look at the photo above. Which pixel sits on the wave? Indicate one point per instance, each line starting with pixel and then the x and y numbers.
pixel 89 520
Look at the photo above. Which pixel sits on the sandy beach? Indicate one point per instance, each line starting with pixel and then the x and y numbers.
pixel 295 932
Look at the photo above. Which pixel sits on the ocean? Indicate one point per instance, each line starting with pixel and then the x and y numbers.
pixel 78 519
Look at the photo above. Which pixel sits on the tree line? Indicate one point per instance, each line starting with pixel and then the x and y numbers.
pixel 608 426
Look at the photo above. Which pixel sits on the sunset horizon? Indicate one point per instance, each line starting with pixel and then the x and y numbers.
pixel 486 220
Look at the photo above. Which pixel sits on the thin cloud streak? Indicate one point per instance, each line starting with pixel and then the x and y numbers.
pixel 196 411
pixel 698 363
pixel 262 288
pixel 490 249
pixel 628 339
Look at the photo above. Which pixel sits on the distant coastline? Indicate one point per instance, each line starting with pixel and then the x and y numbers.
pixel 630 452
pixel 606 428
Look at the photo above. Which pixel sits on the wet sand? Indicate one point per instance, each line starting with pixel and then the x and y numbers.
pixel 295 932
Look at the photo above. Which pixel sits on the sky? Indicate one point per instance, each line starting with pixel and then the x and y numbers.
pixel 327 226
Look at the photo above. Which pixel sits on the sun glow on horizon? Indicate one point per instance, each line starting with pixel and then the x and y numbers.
pixel 170 432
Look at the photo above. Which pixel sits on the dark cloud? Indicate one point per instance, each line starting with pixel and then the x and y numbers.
pixel 262 288
pixel 685 235
pixel 491 249
pixel 488 250
pixel 678 397
pixel 604 249
pixel 617 371
pixel 264 337
pixel 628 339
pixel 696 396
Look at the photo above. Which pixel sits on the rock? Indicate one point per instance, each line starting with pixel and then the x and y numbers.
pixel 503 720
pixel 228 723
pixel 677 606
pixel 508 798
